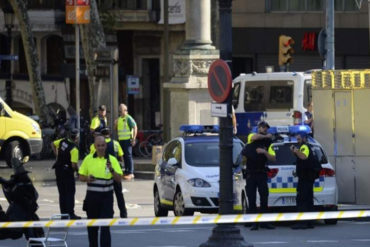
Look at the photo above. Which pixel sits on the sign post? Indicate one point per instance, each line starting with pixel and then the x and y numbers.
pixel 77 12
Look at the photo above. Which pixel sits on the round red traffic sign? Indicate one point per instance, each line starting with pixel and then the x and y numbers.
pixel 219 81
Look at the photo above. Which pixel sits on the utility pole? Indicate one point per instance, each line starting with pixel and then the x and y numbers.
pixel 330 42
pixel 226 234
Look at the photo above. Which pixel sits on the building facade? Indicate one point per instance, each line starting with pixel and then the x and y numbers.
pixel 258 24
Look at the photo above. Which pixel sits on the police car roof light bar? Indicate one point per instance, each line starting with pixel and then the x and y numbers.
pixel 199 129
pixel 290 130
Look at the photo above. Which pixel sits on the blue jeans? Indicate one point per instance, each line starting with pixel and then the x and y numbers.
pixel 127 156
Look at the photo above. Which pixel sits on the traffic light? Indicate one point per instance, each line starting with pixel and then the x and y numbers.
pixel 285 50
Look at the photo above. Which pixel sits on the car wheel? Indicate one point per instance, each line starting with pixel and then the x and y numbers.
pixel 13 150
pixel 158 209
pixel 179 205
pixel 244 204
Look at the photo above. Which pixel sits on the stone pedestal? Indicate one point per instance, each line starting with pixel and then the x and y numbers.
pixel 190 102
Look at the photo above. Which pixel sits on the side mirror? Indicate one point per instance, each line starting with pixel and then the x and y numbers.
pixel 172 162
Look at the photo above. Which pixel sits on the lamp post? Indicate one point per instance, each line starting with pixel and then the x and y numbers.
pixel 9 24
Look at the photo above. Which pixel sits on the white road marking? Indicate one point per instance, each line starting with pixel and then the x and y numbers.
pixel 132 206
pixel 271 242
pixel 124 190
pixel 47 200
pixel 361 240
pixel 322 241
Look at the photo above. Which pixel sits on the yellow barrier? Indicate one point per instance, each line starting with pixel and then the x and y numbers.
pixel 191 220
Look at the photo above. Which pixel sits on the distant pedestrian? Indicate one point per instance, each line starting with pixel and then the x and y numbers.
pixel 66 152
pixel 99 122
pixel 99 170
pixel 257 151
pixel 308 116
pixel 306 178
pixel 126 128
pixel 114 149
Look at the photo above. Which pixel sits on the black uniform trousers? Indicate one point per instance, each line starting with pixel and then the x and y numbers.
pixel 67 188
pixel 99 205
pixel 257 180
pixel 304 197
pixel 120 199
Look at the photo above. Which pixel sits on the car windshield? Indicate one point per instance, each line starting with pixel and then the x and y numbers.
pixel 285 157
pixel 207 154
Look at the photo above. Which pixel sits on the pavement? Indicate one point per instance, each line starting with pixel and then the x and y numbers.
pixel 42 172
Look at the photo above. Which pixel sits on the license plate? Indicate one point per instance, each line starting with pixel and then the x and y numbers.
pixel 288 201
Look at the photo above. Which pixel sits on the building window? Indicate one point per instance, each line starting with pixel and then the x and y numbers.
pixel 310 5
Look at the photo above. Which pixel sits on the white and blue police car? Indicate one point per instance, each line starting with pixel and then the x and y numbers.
pixel 282 181
pixel 187 175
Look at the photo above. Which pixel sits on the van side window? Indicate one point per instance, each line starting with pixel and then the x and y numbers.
pixel 236 94
pixel 254 98
pixel 281 97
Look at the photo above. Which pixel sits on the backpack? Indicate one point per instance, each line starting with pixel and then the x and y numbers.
pixel 316 164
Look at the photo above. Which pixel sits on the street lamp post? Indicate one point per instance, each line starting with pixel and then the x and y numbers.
pixel 226 234
pixel 9 24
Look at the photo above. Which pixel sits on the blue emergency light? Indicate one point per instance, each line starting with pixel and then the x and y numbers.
pixel 199 129
pixel 291 130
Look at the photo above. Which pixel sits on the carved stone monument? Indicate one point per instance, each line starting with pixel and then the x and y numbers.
pixel 190 102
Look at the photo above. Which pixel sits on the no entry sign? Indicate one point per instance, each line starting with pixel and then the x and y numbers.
pixel 219 81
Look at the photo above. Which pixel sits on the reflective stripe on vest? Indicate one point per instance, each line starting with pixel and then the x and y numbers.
pixel 124 132
pixel 100 185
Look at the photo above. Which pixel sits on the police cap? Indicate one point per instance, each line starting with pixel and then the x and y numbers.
pixel 102 108
pixel 105 131
pixel 263 124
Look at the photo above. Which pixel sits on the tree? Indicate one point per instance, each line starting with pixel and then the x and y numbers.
pixel 32 60
pixel 92 38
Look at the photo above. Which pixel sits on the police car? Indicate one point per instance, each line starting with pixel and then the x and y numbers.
pixel 282 181
pixel 187 175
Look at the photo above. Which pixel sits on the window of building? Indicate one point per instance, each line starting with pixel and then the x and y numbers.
pixel 310 5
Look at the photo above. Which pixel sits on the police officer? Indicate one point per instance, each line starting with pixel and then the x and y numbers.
pixel 126 128
pixel 257 151
pixel 99 122
pixel 66 152
pixel 99 170
pixel 114 149
pixel 305 173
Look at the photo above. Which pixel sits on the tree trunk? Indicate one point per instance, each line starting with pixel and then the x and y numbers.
pixel 92 38
pixel 32 60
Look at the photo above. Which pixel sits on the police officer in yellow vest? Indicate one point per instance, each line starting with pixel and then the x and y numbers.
pixel 66 152
pixel 99 122
pixel 126 128
pixel 257 151
pixel 113 148
pixel 99 170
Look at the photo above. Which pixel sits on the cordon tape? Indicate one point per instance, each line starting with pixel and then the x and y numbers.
pixel 191 220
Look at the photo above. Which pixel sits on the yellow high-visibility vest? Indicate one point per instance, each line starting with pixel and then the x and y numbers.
pixel 124 131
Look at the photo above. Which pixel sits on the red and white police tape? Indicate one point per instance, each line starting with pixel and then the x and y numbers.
pixel 190 220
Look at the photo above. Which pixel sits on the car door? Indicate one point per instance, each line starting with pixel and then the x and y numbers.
pixel 166 171
pixel 172 170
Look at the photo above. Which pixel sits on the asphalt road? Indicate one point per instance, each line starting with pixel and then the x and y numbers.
pixel 139 201
pixel 346 233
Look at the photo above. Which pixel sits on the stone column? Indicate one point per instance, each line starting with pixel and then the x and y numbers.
pixel 190 102
pixel 198 24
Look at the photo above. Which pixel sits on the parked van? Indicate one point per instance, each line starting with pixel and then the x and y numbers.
pixel 279 98
pixel 20 135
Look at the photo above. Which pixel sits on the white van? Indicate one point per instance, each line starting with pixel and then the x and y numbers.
pixel 279 98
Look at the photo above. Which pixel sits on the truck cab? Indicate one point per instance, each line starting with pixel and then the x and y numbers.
pixel 20 135
pixel 279 98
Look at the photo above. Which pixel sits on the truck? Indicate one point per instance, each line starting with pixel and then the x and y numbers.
pixel 280 98
pixel 20 136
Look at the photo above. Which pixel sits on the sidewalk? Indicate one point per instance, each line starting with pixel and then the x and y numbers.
pixel 42 172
